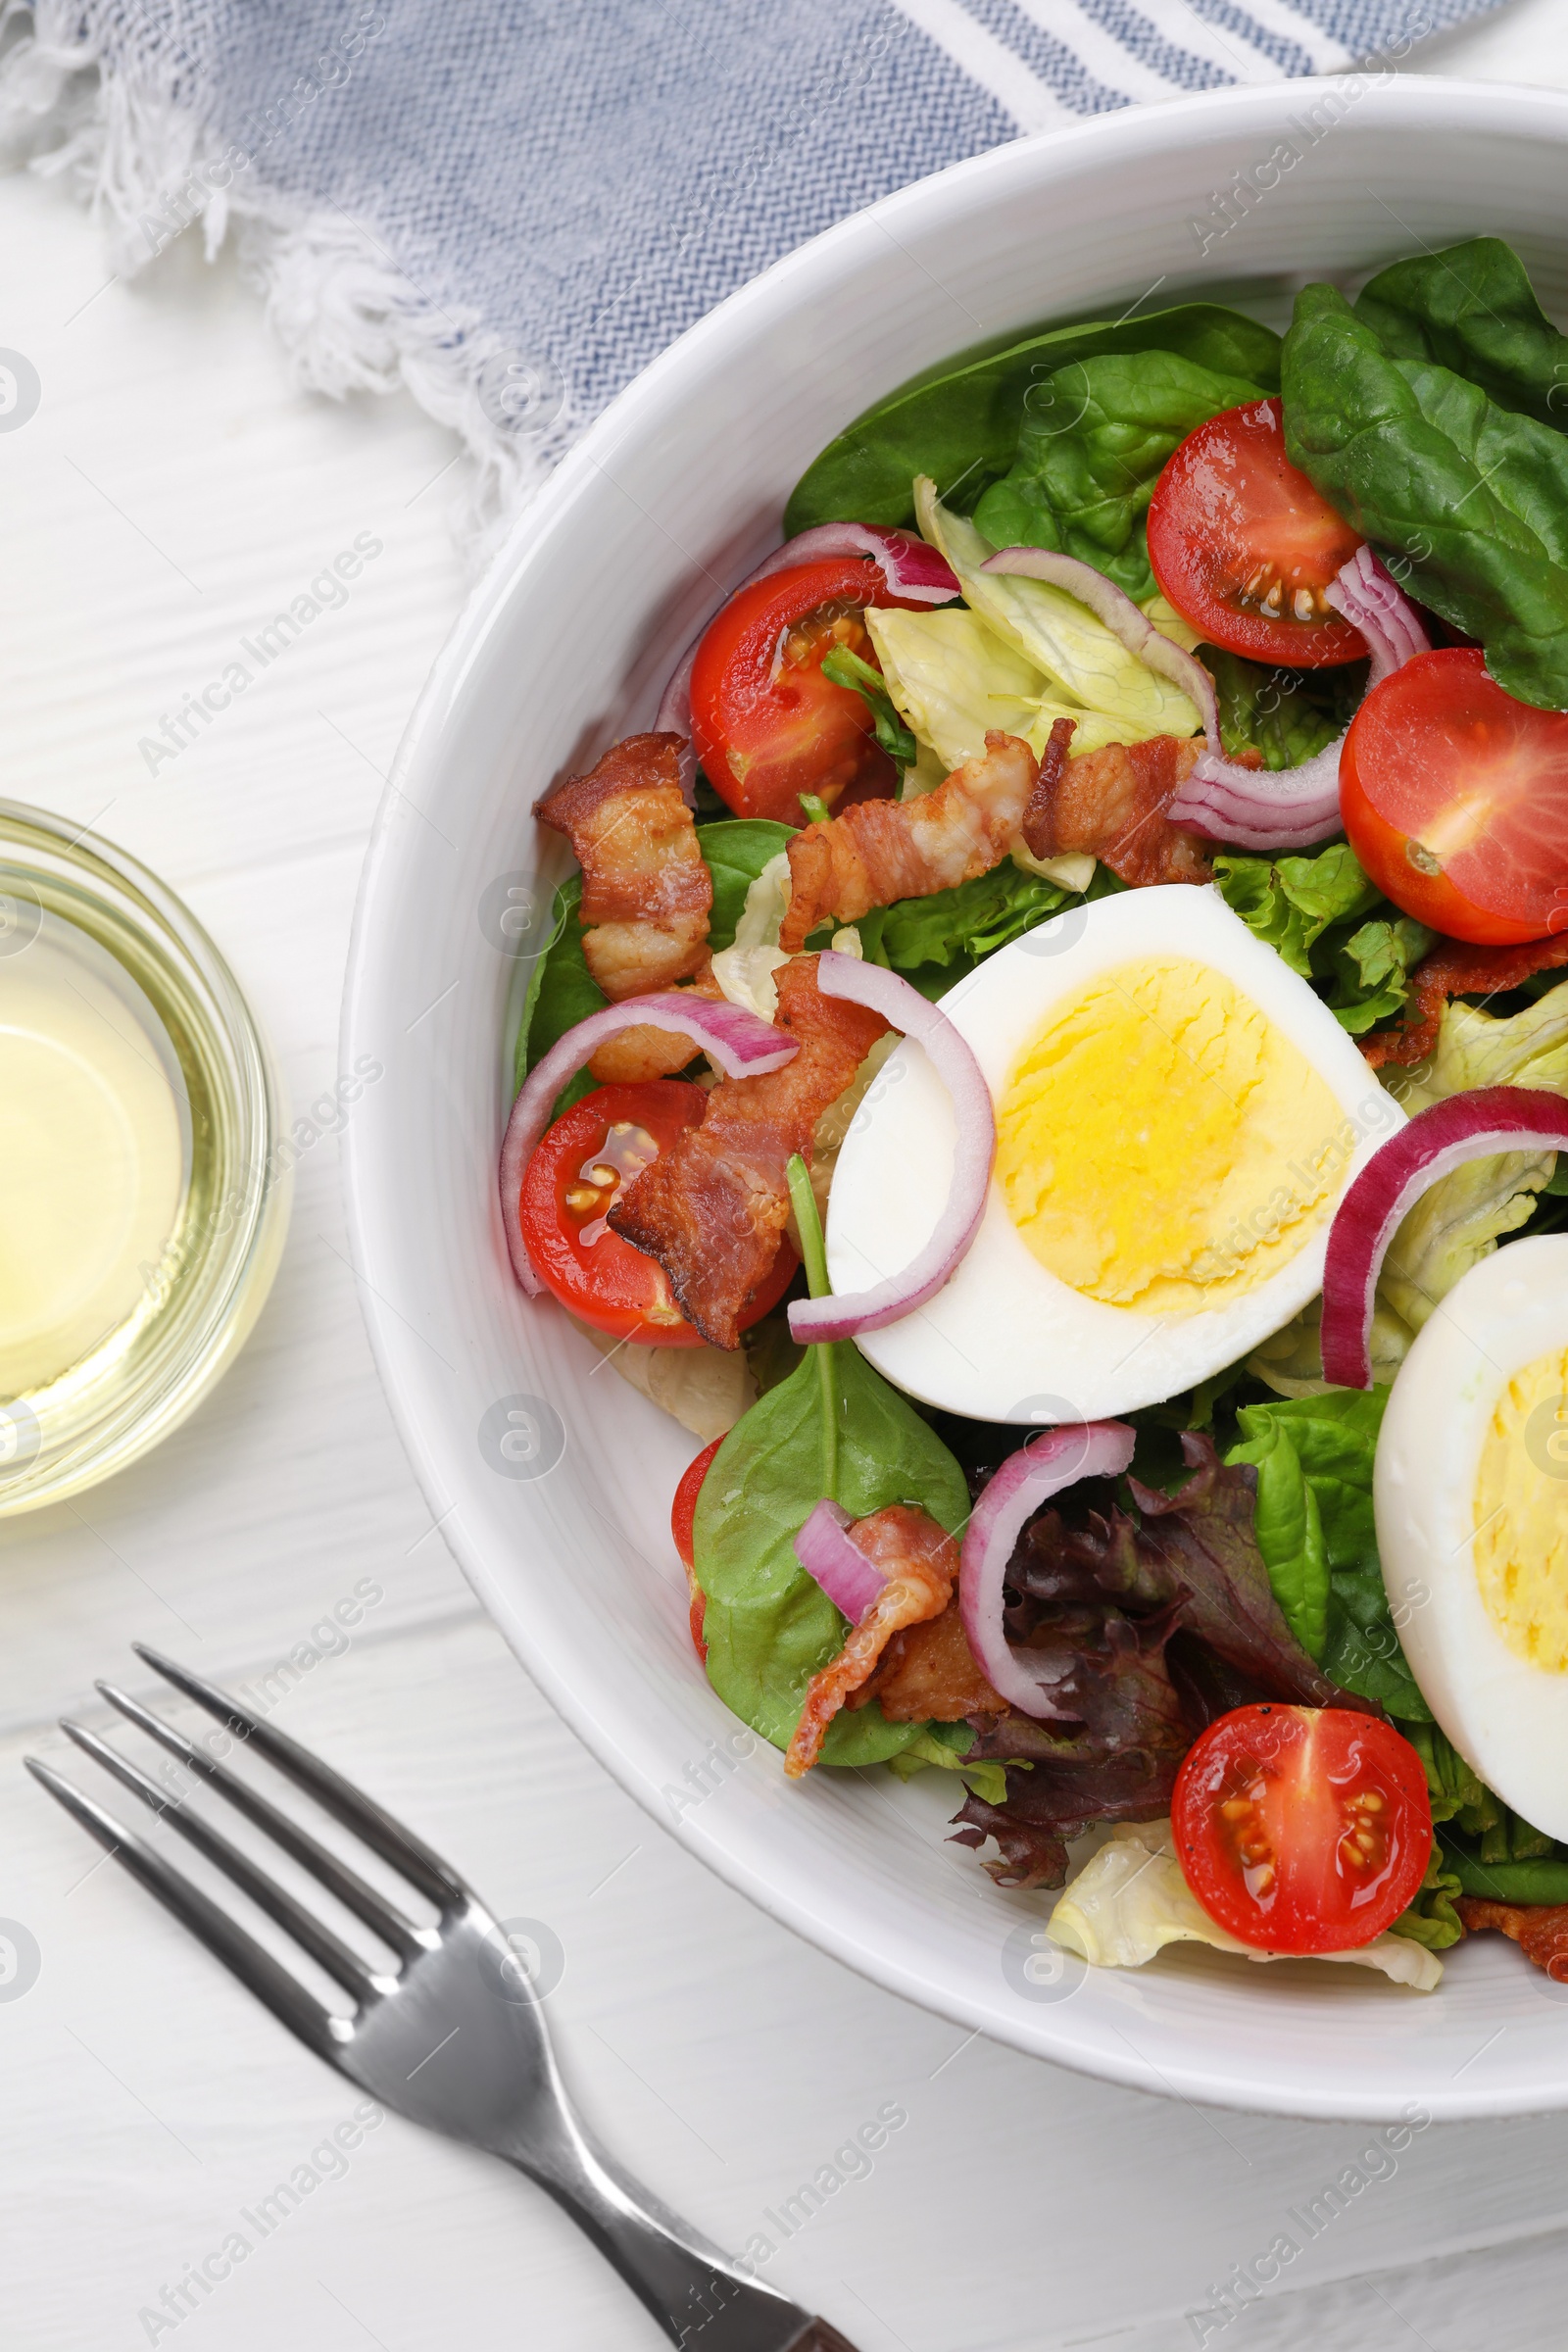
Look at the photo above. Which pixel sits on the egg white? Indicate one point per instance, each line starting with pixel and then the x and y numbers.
pixel 1006 1339
pixel 1508 1718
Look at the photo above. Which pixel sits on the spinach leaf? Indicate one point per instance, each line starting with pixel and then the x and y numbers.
pixel 1290 715
pixel 1315 1528
pixel 1468 501
pixel 959 422
pixel 833 1428
pixel 844 668
pixel 1092 443
pixel 1310 910
pixel 736 850
pixel 562 991
pixel 1472 308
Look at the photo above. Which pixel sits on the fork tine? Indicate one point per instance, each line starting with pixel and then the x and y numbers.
pixel 256 1969
pixel 334 1875
pixel 381 1832
pixel 323 1947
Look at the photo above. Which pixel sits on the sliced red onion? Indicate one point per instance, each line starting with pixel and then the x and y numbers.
pixel 1297 807
pixel 1115 607
pixel 841 1318
pixel 920 574
pixel 1027 1479
pixel 827 1552
pixel 1432 1143
pixel 743 1047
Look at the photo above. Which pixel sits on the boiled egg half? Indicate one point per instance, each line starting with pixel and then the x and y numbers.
pixel 1470 1490
pixel 1177 1117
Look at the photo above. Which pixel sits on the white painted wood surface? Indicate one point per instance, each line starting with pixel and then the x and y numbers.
pixel 170 494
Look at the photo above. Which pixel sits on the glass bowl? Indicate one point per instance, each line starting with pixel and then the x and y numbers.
pixel 88 931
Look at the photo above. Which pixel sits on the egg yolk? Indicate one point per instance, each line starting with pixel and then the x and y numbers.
pixel 1521 1507
pixel 1163 1145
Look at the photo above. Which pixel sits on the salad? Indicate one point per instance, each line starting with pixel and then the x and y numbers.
pixel 1053 1063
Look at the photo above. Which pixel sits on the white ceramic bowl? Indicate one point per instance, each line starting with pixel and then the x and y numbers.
pixel 551 1479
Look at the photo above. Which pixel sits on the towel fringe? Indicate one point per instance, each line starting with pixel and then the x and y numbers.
pixel 347 316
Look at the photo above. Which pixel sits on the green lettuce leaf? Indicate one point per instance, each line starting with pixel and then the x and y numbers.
pixel 959 422
pixel 1473 309
pixel 1310 910
pixel 1468 500
pixel 1431 1919
pixel 1314 1526
pixel 844 669
pixel 1290 902
pixel 1092 443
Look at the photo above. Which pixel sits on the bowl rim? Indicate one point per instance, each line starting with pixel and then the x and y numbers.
pixel 1441 104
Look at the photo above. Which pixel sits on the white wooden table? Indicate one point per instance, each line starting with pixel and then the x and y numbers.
pixel 170 494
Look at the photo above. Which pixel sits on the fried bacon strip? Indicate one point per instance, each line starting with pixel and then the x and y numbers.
pixel 1458 970
pixel 646 891
pixel 928 1674
pixel 1540 1930
pixel 921 1562
pixel 881 850
pixel 712 1208
pixel 1112 803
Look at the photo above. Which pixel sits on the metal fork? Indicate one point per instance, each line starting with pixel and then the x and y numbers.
pixel 453 2037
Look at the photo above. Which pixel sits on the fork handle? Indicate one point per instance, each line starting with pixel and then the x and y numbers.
pixel 703 2301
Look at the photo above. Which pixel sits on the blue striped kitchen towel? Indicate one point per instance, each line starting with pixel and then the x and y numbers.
pixel 511 205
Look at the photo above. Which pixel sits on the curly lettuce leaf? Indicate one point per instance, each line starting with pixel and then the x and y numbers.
pixel 1093 441
pixel 1289 715
pixel 1309 911
pixel 1431 1918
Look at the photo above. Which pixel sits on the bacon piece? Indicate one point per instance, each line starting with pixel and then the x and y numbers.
pixel 921 1562
pixel 645 890
pixel 1458 970
pixel 1540 1930
pixel 1112 803
pixel 881 850
pixel 928 1674
pixel 1053 761
pixel 712 1208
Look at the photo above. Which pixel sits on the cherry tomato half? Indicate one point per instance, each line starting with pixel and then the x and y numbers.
pixel 1456 799
pixel 682 1512
pixel 570 1185
pixel 767 725
pixel 1303 1829
pixel 1243 547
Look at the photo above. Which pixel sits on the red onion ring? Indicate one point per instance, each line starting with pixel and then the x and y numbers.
pixel 1432 1143
pixel 1115 607
pixel 743 1047
pixel 1298 807
pixel 1058 1458
pixel 828 1553
pixel 841 1318
pixel 918 573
